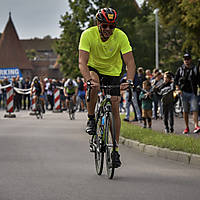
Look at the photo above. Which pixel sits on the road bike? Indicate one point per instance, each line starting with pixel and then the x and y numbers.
pixel 71 109
pixel 39 109
pixel 104 141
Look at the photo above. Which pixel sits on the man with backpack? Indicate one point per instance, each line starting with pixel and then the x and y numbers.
pixel 187 81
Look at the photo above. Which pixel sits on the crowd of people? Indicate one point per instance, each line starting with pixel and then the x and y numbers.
pixel 156 94
pixel 45 90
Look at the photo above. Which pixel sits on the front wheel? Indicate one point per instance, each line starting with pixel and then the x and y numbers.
pixel 99 154
pixel 71 110
pixel 39 110
pixel 110 144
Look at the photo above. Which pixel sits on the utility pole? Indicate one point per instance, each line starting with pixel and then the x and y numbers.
pixel 156 35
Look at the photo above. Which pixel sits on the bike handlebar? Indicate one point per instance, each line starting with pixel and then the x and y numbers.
pixel 108 87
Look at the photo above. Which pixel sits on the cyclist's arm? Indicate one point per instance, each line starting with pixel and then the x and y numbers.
pixel 83 61
pixel 130 63
pixel 65 92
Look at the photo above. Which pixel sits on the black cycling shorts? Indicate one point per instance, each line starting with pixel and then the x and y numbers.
pixel 69 95
pixel 108 80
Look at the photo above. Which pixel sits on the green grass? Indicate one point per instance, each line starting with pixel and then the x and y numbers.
pixel 159 139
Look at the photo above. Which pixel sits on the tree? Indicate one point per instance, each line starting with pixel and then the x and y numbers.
pixel 72 24
pixel 31 54
pixel 67 46
pixel 47 37
pixel 185 14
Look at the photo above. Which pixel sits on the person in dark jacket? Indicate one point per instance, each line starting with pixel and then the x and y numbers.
pixel 16 96
pixel 167 100
pixel 187 81
pixel 26 97
pixel 5 83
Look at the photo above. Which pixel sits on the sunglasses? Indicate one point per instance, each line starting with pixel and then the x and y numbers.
pixel 111 26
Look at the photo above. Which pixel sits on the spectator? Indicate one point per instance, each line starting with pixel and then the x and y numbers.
pixel 121 104
pixel 156 82
pixel 154 73
pixel 42 96
pixel 187 80
pixel 50 89
pixel 1 93
pixel 62 96
pixel 146 97
pixel 16 95
pixel 81 94
pixel 26 97
pixel 148 74
pixel 20 81
pixel 133 101
pixel 167 100
pixel 46 80
pixel 141 79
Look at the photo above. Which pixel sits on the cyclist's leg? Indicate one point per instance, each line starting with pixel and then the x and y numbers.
pixel 115 110
pixel 91 127
pixel 93 94
pixel 42 102
pixel 74 101
pixel 116 115
pixel 67 102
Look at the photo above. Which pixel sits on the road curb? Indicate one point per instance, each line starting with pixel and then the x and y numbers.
pixel 187 158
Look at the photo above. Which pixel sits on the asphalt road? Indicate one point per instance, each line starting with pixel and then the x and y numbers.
pixel 49 159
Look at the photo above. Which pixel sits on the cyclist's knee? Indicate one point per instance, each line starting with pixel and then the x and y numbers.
pixel 115 104
pixel 115 100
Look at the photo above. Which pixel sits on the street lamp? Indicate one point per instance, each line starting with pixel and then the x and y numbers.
pixel 156 33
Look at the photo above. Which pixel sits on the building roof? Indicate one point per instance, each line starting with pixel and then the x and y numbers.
pixel 38 44
pixel 12 54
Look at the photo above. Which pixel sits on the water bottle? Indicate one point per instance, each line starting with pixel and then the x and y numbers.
pixel 102 124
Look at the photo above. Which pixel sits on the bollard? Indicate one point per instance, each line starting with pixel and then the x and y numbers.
pixel 9 103
pixel 57 107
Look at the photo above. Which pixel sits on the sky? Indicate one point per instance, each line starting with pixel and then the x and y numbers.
pixel 34 18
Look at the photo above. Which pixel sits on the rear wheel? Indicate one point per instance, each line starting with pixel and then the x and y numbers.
pixel 110 144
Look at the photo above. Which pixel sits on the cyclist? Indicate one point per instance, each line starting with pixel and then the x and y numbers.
pixel 39 90
pixel 100 62
pixel 70 91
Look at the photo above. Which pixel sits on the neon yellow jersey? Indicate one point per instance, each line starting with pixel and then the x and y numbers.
pixel 105 56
